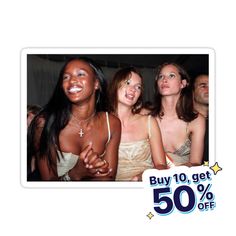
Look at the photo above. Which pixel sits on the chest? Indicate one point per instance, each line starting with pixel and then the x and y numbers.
pixel 74 139
pixel 134 131
pixel 174 133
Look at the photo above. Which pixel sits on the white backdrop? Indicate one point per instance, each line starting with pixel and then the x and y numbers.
pixel 74 23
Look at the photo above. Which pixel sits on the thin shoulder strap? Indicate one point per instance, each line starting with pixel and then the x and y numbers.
pixel 149 126
pixel 108 127
pixel 187 127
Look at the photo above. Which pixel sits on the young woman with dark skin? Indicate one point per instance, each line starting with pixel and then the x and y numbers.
pixel 72 137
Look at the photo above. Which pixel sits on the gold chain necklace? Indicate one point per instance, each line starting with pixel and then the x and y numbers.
pixel 81 131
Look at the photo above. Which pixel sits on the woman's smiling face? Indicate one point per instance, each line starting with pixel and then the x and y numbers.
pixel 130 90
pixel 79 81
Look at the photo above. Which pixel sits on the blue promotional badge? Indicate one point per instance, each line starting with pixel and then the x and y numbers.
pixel 180 190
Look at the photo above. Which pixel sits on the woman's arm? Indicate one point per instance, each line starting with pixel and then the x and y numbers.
pixel 158 155
pixel 107 169
pixel 111 154
pixel 197 128
pixel 157 151
pixel 101 168
pixel 48 170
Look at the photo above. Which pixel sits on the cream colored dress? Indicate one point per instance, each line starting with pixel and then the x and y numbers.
pixel 134 158
pixel 66 162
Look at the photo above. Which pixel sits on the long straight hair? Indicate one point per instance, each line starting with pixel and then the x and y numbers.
pixel 56 115
pixel 184 106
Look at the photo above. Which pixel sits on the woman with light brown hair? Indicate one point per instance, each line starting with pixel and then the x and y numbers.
pixel 141 145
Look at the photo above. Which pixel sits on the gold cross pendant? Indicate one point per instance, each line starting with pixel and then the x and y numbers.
pixel 81 133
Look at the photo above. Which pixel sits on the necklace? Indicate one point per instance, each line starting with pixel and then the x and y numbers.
pixel 81 131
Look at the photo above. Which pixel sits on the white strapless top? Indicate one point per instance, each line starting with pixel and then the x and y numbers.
pixel 66 162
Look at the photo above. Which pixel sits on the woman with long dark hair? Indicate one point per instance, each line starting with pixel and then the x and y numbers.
pixel 141 145
pixel 72 137
pixel 182 129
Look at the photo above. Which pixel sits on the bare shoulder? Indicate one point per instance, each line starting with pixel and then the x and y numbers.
pixel 145 111
pixel 147 117
pixel 144 119
pixel 152 118
pixel 198 122
pixel 141 118
pixel 114 122
pixel 153 121
pixel 200 119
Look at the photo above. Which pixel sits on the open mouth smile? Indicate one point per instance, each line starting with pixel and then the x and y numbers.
pixel 74 89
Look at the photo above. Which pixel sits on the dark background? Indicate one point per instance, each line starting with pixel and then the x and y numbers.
pixel 43 70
